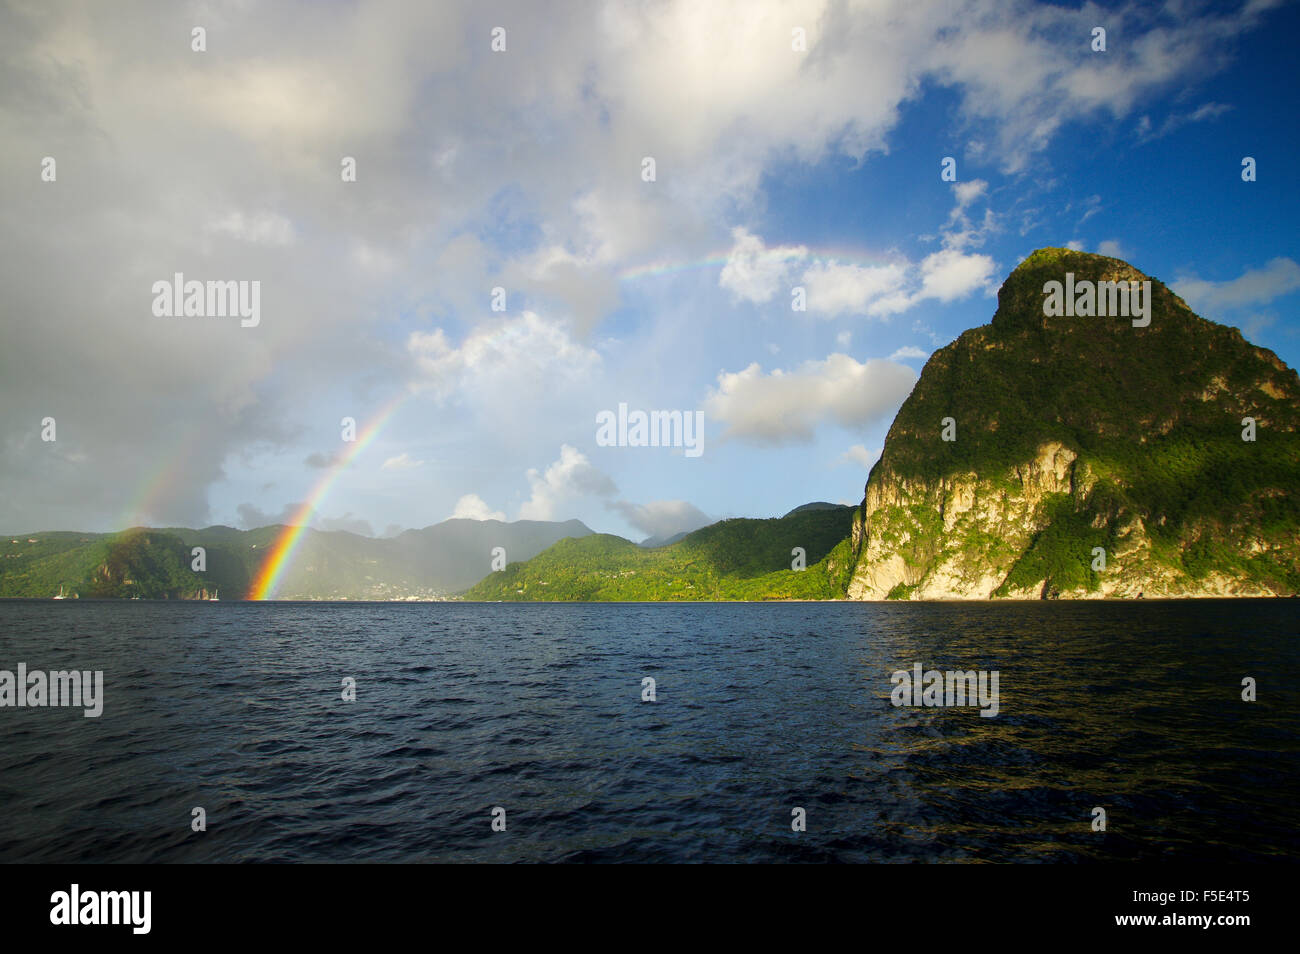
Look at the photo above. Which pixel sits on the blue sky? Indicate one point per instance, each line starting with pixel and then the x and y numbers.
pixel 776 167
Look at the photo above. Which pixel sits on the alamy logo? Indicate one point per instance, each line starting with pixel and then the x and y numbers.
pixel 103 907
pixel 1087 299
pixel 60 687
pixel 950 688
pixel 194 299
pixel 653 429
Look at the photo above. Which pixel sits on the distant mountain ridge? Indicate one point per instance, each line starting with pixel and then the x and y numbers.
pixel 736 559
pixel 432 563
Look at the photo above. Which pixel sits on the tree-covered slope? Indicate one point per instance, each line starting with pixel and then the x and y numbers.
pixel 738 559
pixel 149 564
pixel 434 562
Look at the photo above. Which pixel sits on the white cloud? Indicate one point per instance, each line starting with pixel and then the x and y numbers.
pixel 908 351
pixel 1255 286
pixel 1205 111
pixel 959 232
pixel 701 79
pixel 662 518
pixel 525 356
pixel 755 272
pixel 968 192
pixel 1208 111
pixel 1112 248
pixel 1016 64
pixel 835 289
pixel 786 407
pixel 472 507
pixel 570 478
pixel 402 461
pixel 950 274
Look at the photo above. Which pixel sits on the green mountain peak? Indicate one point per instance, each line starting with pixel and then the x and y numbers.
pixel 1030 441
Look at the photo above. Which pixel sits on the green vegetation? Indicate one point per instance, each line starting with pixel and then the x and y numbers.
pixel 1060 556
pixel 149 564
pixel 1153 415
pixel 155 564
pixel 900 591
pixel 739 559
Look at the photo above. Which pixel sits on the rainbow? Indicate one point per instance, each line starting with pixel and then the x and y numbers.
pixel 282 550
pixel 660 268
pixel 142 509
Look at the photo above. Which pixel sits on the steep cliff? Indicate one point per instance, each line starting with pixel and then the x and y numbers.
pixel 1087 457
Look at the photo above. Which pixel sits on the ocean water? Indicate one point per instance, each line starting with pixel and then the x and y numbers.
pixel 761 708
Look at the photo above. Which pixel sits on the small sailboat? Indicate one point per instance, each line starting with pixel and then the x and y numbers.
pixel 60 596
pixel 214 598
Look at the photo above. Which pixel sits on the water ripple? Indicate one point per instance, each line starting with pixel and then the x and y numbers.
pixel 760 709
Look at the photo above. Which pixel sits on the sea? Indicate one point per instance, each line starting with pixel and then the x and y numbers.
pixel 654 732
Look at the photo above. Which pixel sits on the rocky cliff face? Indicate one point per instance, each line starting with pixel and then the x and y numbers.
pixel 1088 458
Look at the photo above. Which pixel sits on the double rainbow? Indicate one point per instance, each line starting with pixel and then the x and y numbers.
pixel 282 550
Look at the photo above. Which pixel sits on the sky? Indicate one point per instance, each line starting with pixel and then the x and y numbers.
pixel 505 265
